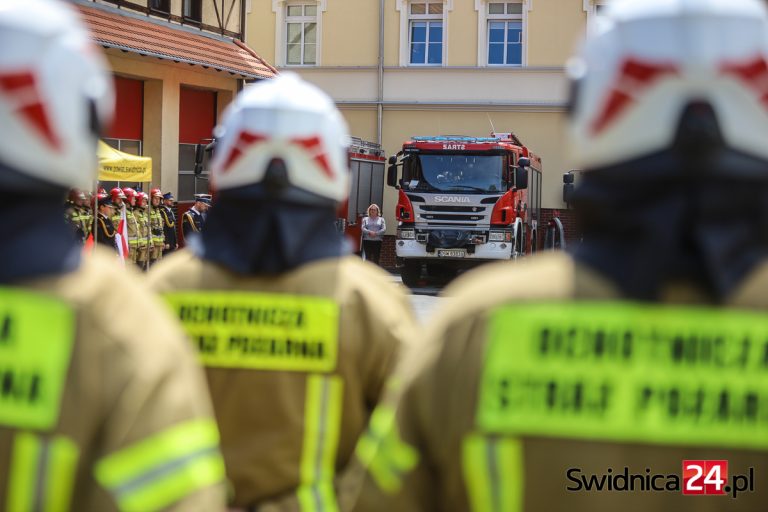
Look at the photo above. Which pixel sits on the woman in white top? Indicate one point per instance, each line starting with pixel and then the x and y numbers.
pixel 373 229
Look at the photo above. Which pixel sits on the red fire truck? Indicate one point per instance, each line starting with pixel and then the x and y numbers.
pixel 463 201
pixel 366 164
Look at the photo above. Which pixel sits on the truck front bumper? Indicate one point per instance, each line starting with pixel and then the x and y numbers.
pixel 411 249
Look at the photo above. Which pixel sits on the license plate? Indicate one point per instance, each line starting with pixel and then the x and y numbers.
pixel 451 253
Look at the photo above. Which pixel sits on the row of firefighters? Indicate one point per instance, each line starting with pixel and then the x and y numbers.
pixel 125 223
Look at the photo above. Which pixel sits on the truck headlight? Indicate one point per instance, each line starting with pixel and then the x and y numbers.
pixel 406 234
pixel 496 236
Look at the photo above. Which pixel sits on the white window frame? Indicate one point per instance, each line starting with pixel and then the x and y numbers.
pixel 481 6
pixel 504 18
pixel 280 8
pixel 302 20
pixel 404 7
pixel 590 7
pixel 428 19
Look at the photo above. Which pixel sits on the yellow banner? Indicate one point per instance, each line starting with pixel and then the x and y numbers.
pixel 36 338
pixel 115 165
pixel 260 331
pixel 627 372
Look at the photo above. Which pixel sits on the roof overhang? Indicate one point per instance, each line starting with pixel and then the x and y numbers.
pixel 111 28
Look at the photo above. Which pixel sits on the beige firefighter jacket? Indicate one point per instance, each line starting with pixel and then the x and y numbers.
pixel 102 406
pixel 156 228
pixel 442 448
pixel 293 393
pixel 142 223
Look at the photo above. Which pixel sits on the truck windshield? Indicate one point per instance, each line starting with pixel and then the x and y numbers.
pixel 457 172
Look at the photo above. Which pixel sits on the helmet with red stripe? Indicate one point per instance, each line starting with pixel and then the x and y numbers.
pixel 55 94
pixel 287 135
pixel 653 64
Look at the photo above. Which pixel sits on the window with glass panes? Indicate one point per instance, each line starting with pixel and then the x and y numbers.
pixel 301 30
pixel 505 33
pixel 426 33
pixel 192 10
pixel 601 9
pixel 160 5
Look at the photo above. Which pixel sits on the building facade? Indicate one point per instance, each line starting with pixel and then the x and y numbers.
pixel 177 64
pixel 398 68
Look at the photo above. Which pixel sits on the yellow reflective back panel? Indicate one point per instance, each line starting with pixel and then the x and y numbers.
pixel 260 331
pixel 36 338
pixel 627 372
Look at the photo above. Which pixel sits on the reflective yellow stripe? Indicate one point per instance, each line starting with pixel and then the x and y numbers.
pixel 493 473
pixel 156 472
pixel 24 462
pixel 62 464
pixel 42 473
pixel 380 450
pixel 322 424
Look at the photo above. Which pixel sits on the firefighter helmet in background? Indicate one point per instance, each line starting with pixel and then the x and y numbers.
pixel 142 199
pixel 287 121
pixel 76 194
pixel 156 192
pixel 55 94
pixel 651 60
pixel 130 196
pixel 117 193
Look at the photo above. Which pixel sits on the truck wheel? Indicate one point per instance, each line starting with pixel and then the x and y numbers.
pixel 410 273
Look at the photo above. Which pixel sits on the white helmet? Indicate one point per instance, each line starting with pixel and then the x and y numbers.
pixel 287 119
pixel 55 93
pixel 653 58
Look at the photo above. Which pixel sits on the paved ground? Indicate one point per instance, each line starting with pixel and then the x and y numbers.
pixel 424 300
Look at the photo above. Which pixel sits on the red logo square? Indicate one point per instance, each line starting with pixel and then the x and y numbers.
pixel 708 477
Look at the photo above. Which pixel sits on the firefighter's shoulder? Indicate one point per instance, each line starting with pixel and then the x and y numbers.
pixel 131 330
pixel 460 323
pixel 181 270
pixel 133 320
pixel 545 277
pixel 361 291
pixel 370 280
pixel 752 293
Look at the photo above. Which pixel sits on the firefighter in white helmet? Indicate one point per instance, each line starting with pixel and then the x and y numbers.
pixel 92 417
pixel 297 338
pixel 633 371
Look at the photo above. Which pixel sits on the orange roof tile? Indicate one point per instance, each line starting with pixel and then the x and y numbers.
pixel 162 40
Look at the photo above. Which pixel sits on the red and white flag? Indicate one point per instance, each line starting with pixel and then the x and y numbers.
pixel 121 235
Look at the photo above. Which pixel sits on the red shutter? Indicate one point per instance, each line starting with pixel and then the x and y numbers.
pixel 129 111
pixel 197 115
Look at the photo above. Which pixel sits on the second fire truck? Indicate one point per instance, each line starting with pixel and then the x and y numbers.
pixel 463 201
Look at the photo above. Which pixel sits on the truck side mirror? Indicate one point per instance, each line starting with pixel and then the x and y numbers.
pixel 521 178
pixel 199 155
pixel 568 188
pixel 392 160
pixel 392 174
pixel 523 162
